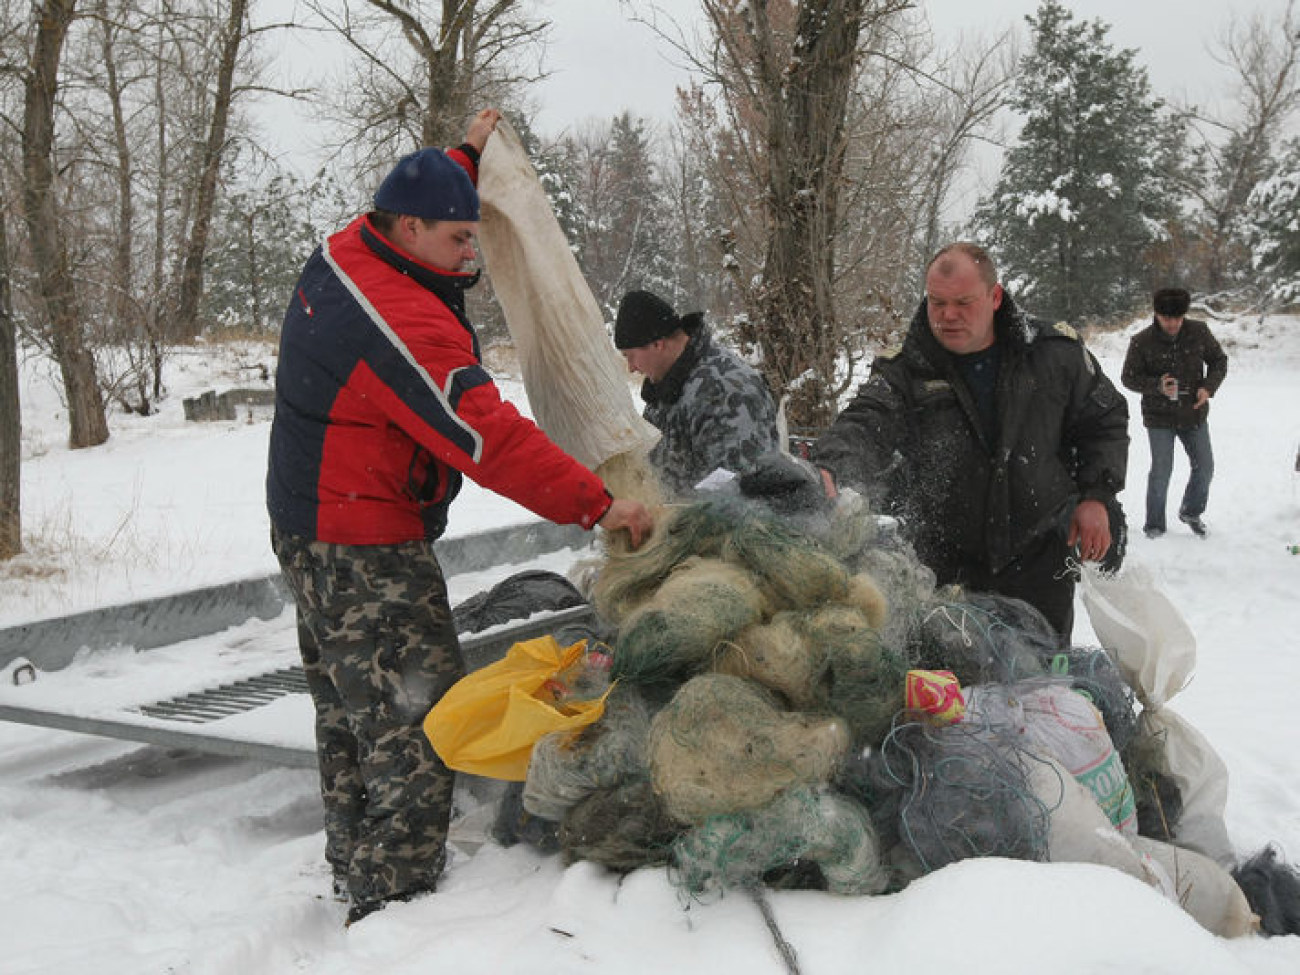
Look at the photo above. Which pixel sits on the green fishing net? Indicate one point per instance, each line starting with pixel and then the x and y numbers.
pixel 800 824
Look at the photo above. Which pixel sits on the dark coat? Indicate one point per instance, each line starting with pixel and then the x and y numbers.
pixel 913 440
pixel 1193 357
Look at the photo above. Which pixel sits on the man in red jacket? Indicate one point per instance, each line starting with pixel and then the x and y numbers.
pixel 382 404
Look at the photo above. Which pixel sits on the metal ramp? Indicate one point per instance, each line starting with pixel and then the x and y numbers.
pixel 264 711
pixel 267 717
pixel 150 623
pixel 201 707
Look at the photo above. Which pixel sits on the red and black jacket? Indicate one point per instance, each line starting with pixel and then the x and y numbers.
pixel 382 403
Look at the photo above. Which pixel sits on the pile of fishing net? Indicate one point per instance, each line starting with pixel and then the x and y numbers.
pixel 794 703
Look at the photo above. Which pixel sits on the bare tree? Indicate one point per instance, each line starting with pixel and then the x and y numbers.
pixel 11 422
pixel 697 209
pixel 971 87
pixel 1264 55
pixel 121 70
pixel 11 427
pixel 156 115
pixel 622 230
pixel 233 36
pixel 791 70
pixel 419 85
pixel 88 425
pixel 833 145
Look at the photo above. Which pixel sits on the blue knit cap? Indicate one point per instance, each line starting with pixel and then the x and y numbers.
pixel 429 184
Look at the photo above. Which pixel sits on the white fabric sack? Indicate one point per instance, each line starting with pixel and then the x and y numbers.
pixel 1058 723
pixel 1202 780
pixel 576 380
pixel 1142 630
pixel 1079 832
pixel 1202 888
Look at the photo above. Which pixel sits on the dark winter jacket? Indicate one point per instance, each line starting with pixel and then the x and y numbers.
pixel 912 438
pixel 382 403
pixel 713 411
pixel 1193 357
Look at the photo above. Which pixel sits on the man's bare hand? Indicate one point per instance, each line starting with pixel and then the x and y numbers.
pixel 632 515
pixel 828 484
pixel 484 124
pixel 1090 527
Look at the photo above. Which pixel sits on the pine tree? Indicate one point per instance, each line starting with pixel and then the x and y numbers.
pixel 262 236
pixel 625 237
pixel 1272 218
pixel 1089 186
pixel 555 171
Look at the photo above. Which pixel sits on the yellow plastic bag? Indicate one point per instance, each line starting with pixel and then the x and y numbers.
pixel 488 722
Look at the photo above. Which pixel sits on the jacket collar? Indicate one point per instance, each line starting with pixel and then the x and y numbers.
pixel 1012 331
pixel 1162 336
pixel 669 389
pixel 448 285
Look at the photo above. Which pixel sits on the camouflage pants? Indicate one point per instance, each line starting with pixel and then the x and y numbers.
pixel 379 649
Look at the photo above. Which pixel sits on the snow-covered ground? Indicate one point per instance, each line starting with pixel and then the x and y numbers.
pixel 126 860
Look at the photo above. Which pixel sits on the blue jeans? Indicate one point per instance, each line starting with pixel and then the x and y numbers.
pixel 1196 441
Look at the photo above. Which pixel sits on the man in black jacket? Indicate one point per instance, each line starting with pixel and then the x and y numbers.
pixel 1177 365
pixel 994 437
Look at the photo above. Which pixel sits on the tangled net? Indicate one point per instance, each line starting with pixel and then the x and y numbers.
pixel 672 635
pixel 943 794
pixel 723 745
pixel 623 828
pixel 790 568
pixel 566 768
pixel 758 731
pixel 982 637
pixel 801 824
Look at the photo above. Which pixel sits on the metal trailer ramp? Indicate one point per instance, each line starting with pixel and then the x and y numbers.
pixel 263 712
pixel 266 717
pixel 200 707
pixel 51 644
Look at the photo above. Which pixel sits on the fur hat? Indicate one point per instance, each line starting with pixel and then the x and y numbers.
pixel 1171 302
pixel 643 318
pixel 429 184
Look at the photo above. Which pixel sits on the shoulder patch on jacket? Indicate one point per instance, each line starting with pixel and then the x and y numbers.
pixel 890 353
pixel 1061 328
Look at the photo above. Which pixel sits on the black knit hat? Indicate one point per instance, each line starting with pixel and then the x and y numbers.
pixel 643 318
pixel 429 184
pixel 1171 302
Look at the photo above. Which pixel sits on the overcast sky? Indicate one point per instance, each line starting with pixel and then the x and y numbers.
pixel 602 62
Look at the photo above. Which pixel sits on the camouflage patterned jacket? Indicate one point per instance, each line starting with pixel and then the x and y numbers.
pixel 713 411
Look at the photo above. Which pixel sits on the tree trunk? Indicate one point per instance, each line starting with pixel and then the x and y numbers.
pixel 191 286
pixel 807 99
pixel 123 285
pixel 87 423
pixel 159 305
pixel 447 106
pixel 11 420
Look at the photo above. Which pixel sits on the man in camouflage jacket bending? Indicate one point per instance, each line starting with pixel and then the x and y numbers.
pixel 994 437
pixel 713 410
